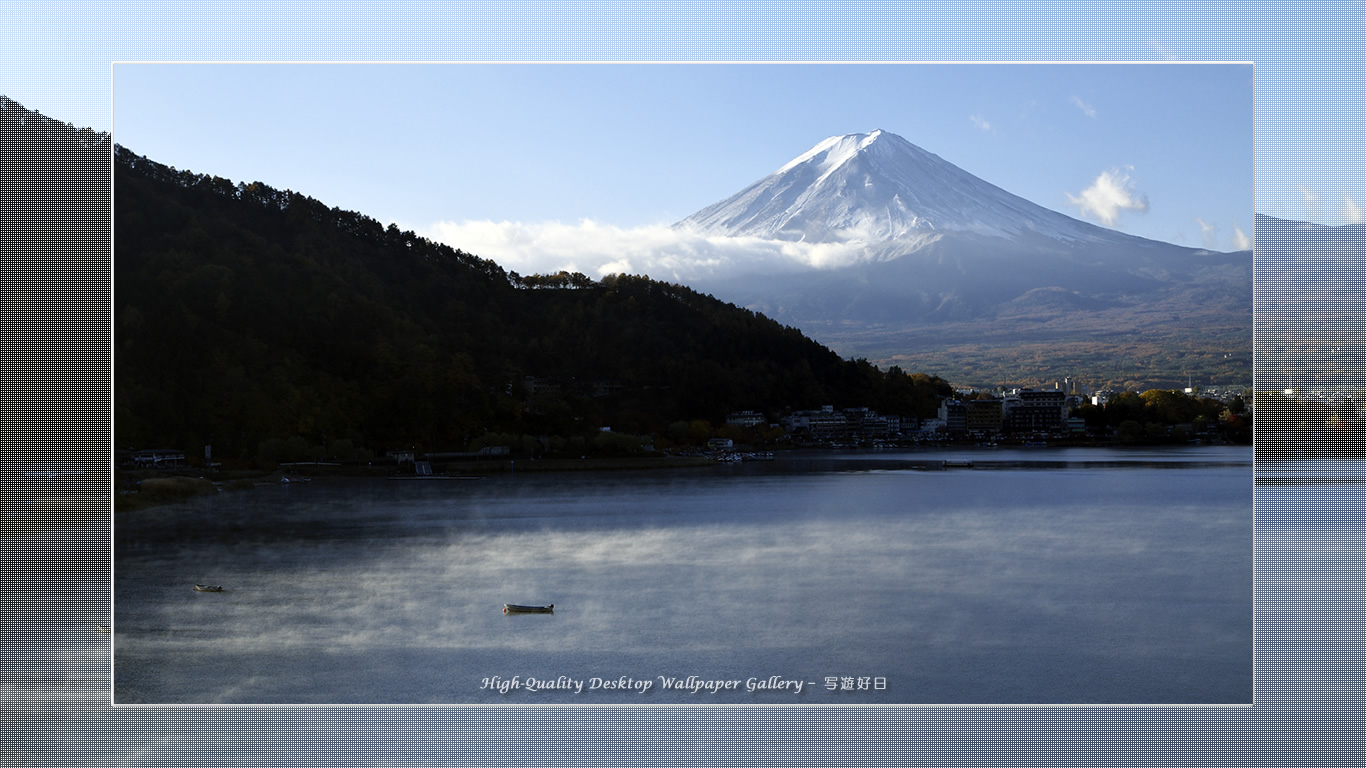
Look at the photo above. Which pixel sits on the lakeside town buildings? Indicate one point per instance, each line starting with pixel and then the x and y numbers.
pixel 1023 411
pixel 1017 412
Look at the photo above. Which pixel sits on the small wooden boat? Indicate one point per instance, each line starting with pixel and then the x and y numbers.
pixel 510 608
pixel 207 588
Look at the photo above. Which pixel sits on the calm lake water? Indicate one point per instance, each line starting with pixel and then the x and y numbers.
pixel 1036 576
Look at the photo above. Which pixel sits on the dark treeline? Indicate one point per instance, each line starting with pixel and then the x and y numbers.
pixel 1168 416
pixel 54 237
pixel 246 316
pixel 1291 426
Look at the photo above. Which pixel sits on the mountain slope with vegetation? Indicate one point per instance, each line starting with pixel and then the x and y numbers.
pixel 54 235
pixel 247 316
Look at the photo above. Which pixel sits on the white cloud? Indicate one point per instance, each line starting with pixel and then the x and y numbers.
pixel 1086 109
pixel 1241 242
pixel 660 251
pixel 1209 234
pixel 1111 193
pixel 1350 210
pixel 1311 202
pixel 1162 49
pixel 980 122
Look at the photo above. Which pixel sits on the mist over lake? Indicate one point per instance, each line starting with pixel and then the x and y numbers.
pixel 1035 576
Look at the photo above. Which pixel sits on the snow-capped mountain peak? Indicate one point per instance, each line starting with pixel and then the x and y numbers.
pixel 879 188
pixel 834 151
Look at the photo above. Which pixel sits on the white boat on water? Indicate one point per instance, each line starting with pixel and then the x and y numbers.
pixel 207 588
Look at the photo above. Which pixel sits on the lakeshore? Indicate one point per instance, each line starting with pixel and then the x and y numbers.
pixel 140 488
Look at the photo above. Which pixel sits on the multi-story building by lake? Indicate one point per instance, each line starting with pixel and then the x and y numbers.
pixel 1035 410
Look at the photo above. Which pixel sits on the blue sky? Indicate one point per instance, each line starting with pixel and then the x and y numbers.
pixel 442 148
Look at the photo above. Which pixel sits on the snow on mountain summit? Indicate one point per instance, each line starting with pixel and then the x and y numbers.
pixel 874 188
pixel 834 151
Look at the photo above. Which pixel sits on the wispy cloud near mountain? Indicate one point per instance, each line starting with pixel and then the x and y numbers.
pixel 661 251
pixel 1108 196
pixel 1351 212
pixel 853 199
pixel 1085 108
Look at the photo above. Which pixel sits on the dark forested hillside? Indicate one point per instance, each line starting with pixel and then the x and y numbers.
pixel 245 314
pixel 54 237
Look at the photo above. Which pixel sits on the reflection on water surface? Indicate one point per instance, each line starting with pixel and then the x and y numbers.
pixel 1070 576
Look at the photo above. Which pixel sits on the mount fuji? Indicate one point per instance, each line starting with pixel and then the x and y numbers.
pixel 879 188
pixel 947 273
